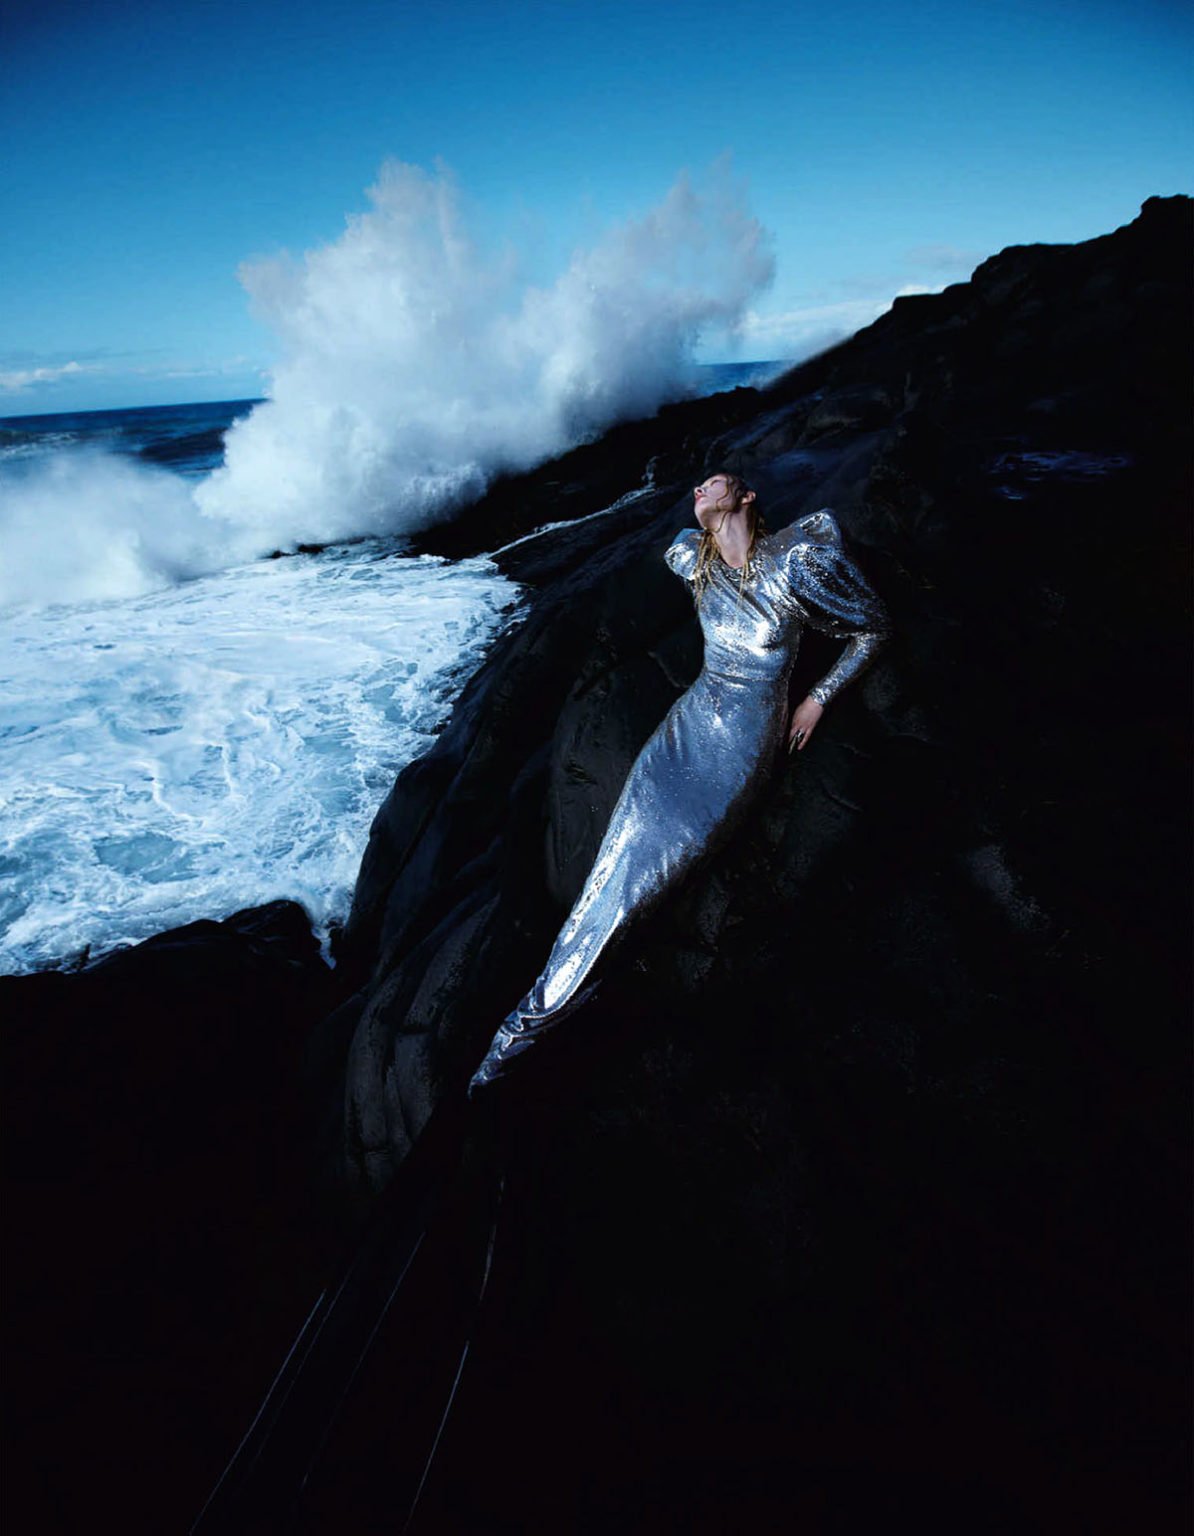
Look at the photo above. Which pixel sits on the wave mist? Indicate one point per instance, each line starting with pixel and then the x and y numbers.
pixel 415 365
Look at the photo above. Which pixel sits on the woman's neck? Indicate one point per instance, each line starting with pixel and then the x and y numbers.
pixel 733 540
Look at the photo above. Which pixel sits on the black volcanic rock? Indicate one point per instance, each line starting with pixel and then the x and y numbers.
pixel 859 1191
pixel 1021 515
pixel 158 1256
pixel 869 1155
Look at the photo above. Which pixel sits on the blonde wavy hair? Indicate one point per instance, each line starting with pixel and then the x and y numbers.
pixel 707 550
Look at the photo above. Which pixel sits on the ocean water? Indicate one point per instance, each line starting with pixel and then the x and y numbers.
pixel 188 439
pixel 186 727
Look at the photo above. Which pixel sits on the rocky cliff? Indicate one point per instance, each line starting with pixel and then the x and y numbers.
pixel 972 834
pixel 857 1189
pixel 867 1163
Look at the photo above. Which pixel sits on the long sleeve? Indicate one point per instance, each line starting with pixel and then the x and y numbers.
pixel 856 657
pixel 834 597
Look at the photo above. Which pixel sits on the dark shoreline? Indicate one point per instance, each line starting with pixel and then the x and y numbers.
pixel 859 1192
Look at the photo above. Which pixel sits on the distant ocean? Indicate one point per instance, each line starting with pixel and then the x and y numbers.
pixel 187 728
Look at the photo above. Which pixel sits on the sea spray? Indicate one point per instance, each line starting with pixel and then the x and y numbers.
pixel 83 525
pixel 416 365
pixel 219 743
pixel 186 728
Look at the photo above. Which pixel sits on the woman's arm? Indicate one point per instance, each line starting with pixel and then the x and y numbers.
pixel 859 651
pixel 834 596
pixel 857 654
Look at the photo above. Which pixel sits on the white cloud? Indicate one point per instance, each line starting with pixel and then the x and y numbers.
pixel 31 378
pixel 802 331
pixel 38 378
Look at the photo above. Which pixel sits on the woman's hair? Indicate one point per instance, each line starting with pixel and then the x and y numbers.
pixel 707 550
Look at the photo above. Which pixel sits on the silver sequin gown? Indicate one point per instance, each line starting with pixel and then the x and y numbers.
pixel 714 750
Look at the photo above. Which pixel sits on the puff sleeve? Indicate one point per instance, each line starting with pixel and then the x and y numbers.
pixel 681 554
pixel 834 596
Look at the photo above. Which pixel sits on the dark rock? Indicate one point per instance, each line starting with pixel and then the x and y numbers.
pixel 855 1192
pixel 884 1124
pixel 158 1256
pixel 841 410
pixel 922 468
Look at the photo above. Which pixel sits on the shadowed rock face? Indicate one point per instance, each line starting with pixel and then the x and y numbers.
pixel 859 1179
pixel 864 1165
pixel 981 829
pixel 158 1259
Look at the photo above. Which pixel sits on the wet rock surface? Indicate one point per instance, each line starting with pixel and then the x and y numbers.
pixel 856 1187
pixel 859 1189
pixel 158 1258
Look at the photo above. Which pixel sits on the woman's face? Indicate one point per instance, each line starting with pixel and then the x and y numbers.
pixel 712 501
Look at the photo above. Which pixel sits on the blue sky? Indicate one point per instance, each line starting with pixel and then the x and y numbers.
pixel 149 149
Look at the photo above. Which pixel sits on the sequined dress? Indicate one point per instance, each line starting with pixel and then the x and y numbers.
pixel 714 750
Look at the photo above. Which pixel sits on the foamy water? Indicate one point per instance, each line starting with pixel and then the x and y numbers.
pixel 415 364
pixel 187 728
pixel 418 360
pixel 220 743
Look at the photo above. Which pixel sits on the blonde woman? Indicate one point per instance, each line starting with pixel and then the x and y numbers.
pixel 716 747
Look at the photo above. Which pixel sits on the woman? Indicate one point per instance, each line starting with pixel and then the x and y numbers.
pixel 712 753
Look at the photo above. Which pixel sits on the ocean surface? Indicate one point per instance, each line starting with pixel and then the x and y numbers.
pixel 187 727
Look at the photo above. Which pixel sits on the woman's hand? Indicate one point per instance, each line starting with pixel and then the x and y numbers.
pixel 804 723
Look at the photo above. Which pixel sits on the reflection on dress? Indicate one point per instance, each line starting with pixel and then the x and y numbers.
pixel 712 753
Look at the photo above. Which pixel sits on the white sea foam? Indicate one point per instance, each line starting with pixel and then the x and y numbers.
pixel 171 751
pixel 81 525
pixel 218 744
pixel 415 365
